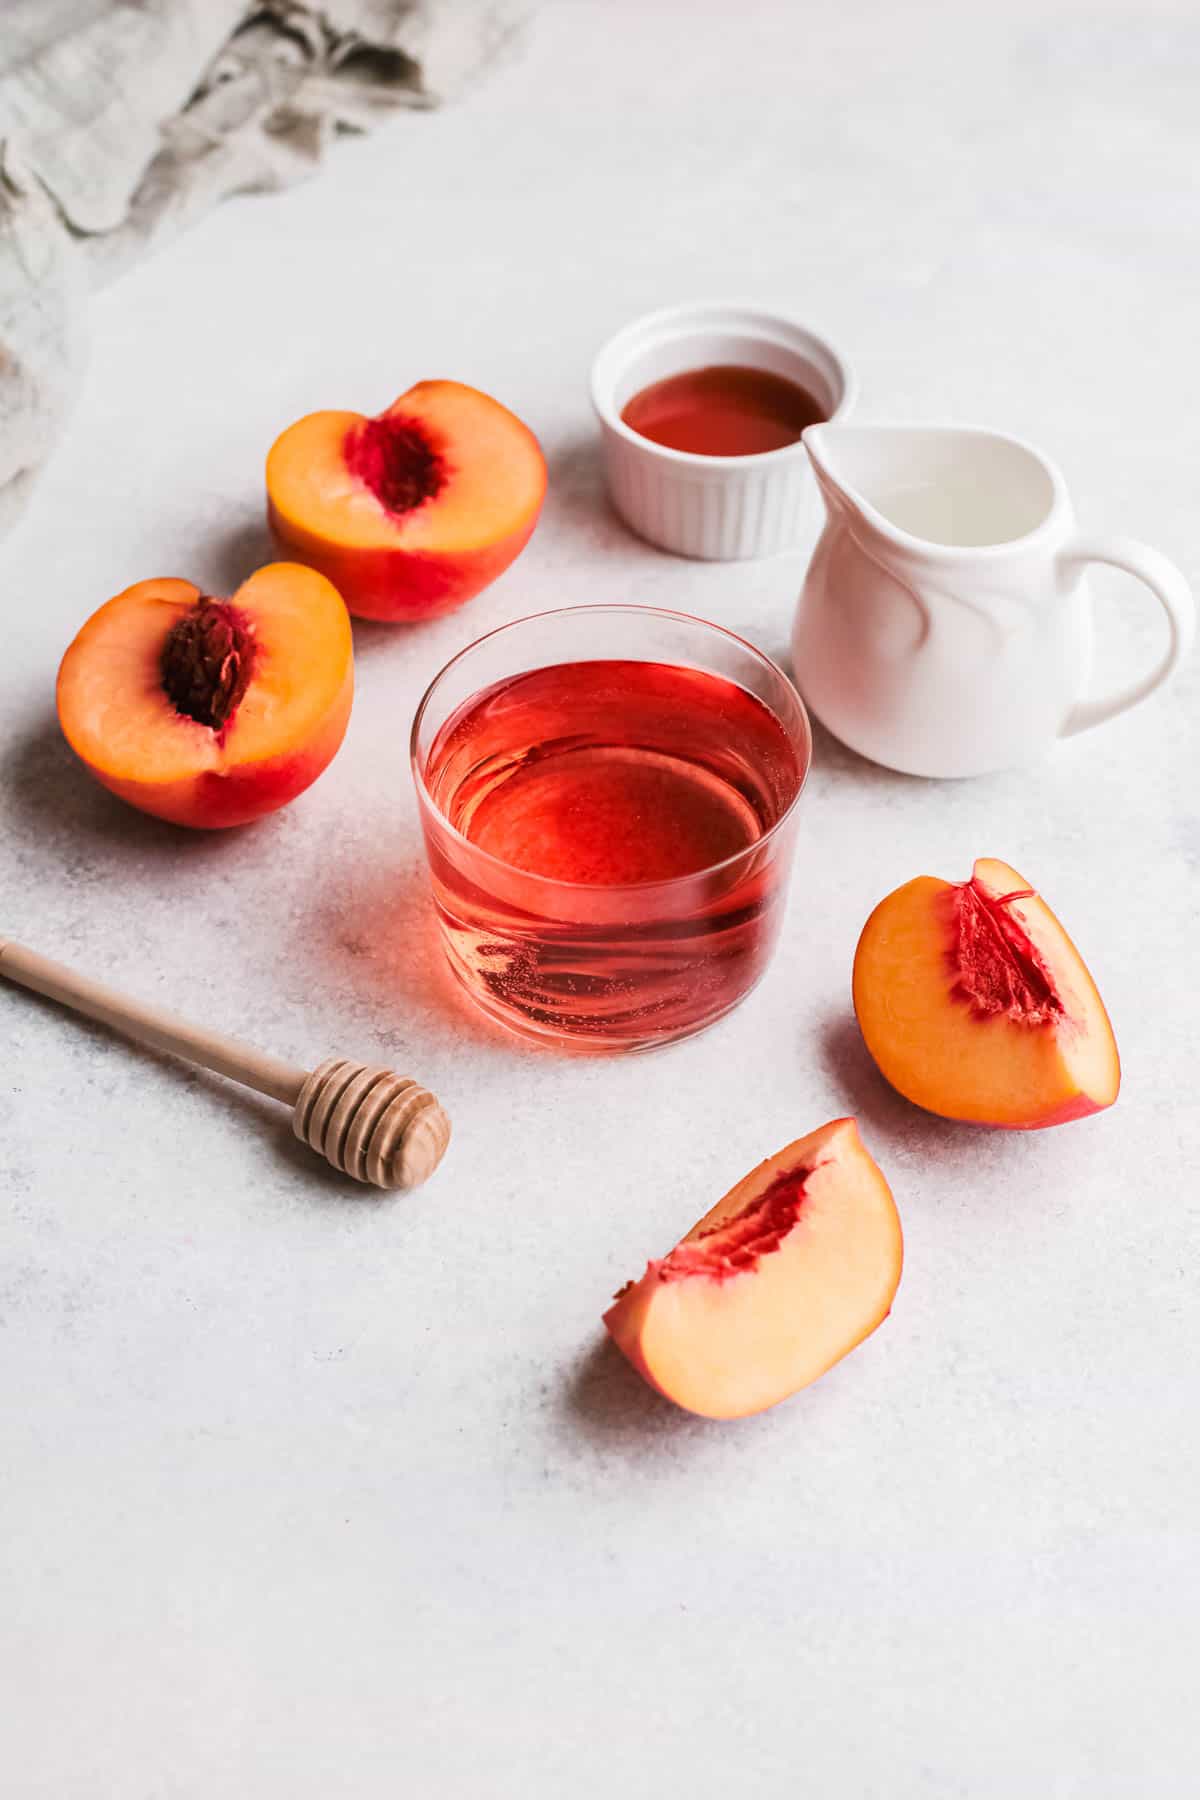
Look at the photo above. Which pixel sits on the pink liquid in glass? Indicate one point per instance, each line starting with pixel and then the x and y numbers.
pixel 631 883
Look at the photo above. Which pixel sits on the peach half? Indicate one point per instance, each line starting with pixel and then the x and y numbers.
pixel 411 513
pixel 794 1267
pixel 211 712
pixel 976 1005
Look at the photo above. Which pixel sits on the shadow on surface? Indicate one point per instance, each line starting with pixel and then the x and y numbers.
pixel 232 557
pixel 868 1095
pixel 577 496
pixel 270 1118
pixel 380 930
pixel 832 757
pixel 414 640
pixel 610 1403
pixel 950 1144
pixel 49 791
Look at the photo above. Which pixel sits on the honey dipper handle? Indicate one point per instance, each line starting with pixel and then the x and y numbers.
pixel 163 1030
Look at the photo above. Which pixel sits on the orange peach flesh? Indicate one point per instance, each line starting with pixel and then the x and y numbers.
pixel 415 511
pixel 976 1005
pixel 794 1267
pixel 285 728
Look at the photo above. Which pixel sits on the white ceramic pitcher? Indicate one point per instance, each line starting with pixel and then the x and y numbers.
pixel 945 626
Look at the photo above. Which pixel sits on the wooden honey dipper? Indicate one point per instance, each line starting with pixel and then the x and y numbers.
pixel 368 1122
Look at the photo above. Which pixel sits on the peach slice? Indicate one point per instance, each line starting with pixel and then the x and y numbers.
pixel 211 712
pixel 415 511
pixel 794 1267
pixel 976 1004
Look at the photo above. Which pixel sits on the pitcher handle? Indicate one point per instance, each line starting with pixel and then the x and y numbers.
pixel 1173 594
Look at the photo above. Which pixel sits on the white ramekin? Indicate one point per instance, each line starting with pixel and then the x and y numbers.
pixel 720 508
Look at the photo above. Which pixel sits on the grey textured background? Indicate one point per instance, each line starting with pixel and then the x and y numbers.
pixel 307 1494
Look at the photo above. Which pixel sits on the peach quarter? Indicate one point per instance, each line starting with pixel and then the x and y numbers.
pixel 413 512
pixel 781 1279
pixel 976 1005
pixel 211 712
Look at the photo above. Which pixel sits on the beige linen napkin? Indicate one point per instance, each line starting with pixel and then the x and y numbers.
pixel 123 120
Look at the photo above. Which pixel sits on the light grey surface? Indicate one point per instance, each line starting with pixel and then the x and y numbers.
pixel 308 1494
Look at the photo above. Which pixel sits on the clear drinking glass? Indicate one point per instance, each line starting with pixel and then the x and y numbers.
pixel 608 796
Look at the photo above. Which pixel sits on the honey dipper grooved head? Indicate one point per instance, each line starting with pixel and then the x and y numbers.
pixel 372 1124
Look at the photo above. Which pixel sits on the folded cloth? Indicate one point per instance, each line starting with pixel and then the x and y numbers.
pixel 123 120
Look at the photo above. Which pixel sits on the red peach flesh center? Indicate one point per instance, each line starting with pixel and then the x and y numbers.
pixel 998 968
pixel 394 457
pixel 738 1244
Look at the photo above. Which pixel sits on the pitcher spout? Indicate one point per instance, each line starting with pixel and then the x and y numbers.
pixel 821 442
pixel 936 489
pixel 846 460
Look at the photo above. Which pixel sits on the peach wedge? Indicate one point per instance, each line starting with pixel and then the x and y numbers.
pixel 976 1005
pixel 794 1267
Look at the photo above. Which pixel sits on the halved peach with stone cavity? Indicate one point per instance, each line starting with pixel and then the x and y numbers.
pixel 211 712
pixel 794 1267
pixel 976 1005
pixel 415 511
